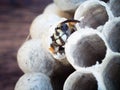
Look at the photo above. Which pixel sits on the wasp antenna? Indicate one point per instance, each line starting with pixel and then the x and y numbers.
pixel 70 20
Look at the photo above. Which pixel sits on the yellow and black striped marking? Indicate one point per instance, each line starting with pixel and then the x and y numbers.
pixel 61 34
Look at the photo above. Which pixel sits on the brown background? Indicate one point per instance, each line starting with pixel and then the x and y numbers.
pixel 16 17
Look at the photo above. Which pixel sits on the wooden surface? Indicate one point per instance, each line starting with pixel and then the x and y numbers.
pixel 14 28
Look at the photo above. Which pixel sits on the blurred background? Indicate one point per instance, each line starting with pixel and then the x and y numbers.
pixel 16 17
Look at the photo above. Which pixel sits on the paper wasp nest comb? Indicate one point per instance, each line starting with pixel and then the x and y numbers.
pixel 88 43
pixel 88 52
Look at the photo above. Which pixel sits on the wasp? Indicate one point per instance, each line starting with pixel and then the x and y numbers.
pixel 61 34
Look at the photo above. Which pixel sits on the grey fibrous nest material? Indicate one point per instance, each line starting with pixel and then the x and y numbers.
pixel 90 42
pixel 34 81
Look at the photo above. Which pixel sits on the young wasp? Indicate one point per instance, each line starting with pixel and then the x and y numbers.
pixel 61 34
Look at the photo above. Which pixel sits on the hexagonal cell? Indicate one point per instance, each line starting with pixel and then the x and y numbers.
pixel 53 9
pixel 40 25
pixel 32 57
pixel 111 73
pixel 33 81
pixel 93 13
pixel 111 32
pixel 59 33
pixel 81 81
pixel 85 48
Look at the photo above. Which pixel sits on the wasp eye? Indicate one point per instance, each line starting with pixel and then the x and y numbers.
pixel 64 27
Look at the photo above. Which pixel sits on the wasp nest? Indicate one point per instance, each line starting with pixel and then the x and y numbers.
pixel 74 45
